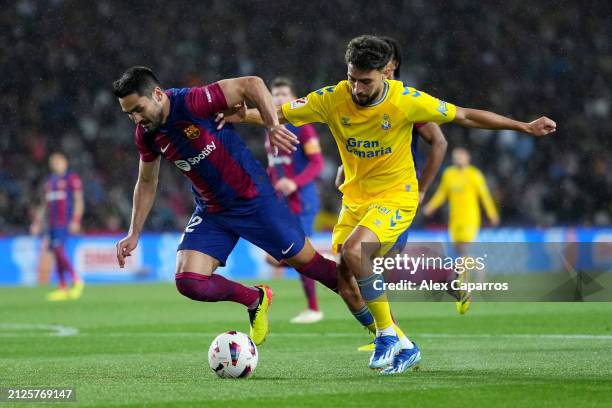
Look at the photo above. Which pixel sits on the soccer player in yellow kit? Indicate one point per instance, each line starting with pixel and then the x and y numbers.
pixel 432 134
pixel 371 119
pixel 464 186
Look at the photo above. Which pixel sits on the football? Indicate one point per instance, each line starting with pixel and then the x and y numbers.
pixel 232 355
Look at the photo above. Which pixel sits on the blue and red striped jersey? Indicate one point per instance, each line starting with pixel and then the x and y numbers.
pixel 305 199
pixel 59 196
pixel 218 163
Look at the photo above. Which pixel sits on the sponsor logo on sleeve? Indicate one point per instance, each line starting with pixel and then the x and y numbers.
pixel 298 103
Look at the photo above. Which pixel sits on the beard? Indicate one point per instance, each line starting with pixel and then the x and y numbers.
pixel 367 100
pixel 364 101
pixel 151 126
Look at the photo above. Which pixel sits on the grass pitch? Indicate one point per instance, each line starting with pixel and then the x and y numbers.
pixel 145 345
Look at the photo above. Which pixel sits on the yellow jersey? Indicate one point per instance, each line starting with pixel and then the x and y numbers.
pixel 375 140
pixel 464 188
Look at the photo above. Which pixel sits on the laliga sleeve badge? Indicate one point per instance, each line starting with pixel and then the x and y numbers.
pixel 299 103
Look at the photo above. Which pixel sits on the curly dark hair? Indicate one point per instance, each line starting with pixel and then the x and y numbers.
pixel 138 80
pixel 368 52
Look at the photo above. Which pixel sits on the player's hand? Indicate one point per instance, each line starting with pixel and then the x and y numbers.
pixel 125 248
pixel 74 227
pixel 542 126
pixel 286 186
pixel 235 114
pixel 427 211
pixel 283 139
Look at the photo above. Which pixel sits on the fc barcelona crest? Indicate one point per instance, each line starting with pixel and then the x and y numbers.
pixel 386 122
pixel 191 132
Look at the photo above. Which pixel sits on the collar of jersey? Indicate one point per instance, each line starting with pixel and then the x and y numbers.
pixel 382 98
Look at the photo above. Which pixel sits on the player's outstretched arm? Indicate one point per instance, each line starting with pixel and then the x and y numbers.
pixel 487 201
pixel 144 197
pixel 240 114
pixel 476 118
pixel 438 198
pixel 252 88
pixel 432 133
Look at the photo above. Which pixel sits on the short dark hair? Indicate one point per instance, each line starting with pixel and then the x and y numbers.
pixel 396 54
pixel 282 81
pixel 367 52
pixel 138 80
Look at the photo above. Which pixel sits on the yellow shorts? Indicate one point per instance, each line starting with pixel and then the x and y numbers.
pixel 387 219
pixel 463 232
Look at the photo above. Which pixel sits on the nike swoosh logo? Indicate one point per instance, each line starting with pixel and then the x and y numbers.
pixel 288 249
pixel 163 149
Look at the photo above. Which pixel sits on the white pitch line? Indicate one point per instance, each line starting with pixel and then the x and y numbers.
pixel 14 329
pixel 430 335
pixel 54 330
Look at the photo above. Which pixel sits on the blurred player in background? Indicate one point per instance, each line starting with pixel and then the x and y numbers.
pixel 62 212
pixel 233 194
pixel 465 187
pixel 372 119
pixel 293 176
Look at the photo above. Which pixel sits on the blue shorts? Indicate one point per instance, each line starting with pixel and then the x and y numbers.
pixel 58 237
pixel 401 242
pixel 265 221
pixel 307 221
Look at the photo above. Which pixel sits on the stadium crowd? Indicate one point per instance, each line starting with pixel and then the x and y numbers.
pixel 522 59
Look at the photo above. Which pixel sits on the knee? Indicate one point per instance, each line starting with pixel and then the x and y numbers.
pixel 351 253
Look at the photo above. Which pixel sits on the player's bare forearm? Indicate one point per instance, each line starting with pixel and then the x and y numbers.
pixel 432 133
pixel 251 88
pixel 253 117
pixel 144 195
pixel 258 93
pixel 476 118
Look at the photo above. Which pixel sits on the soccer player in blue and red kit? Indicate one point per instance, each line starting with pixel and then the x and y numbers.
pixel 293 176
pixel 62 210
pixel 233 194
